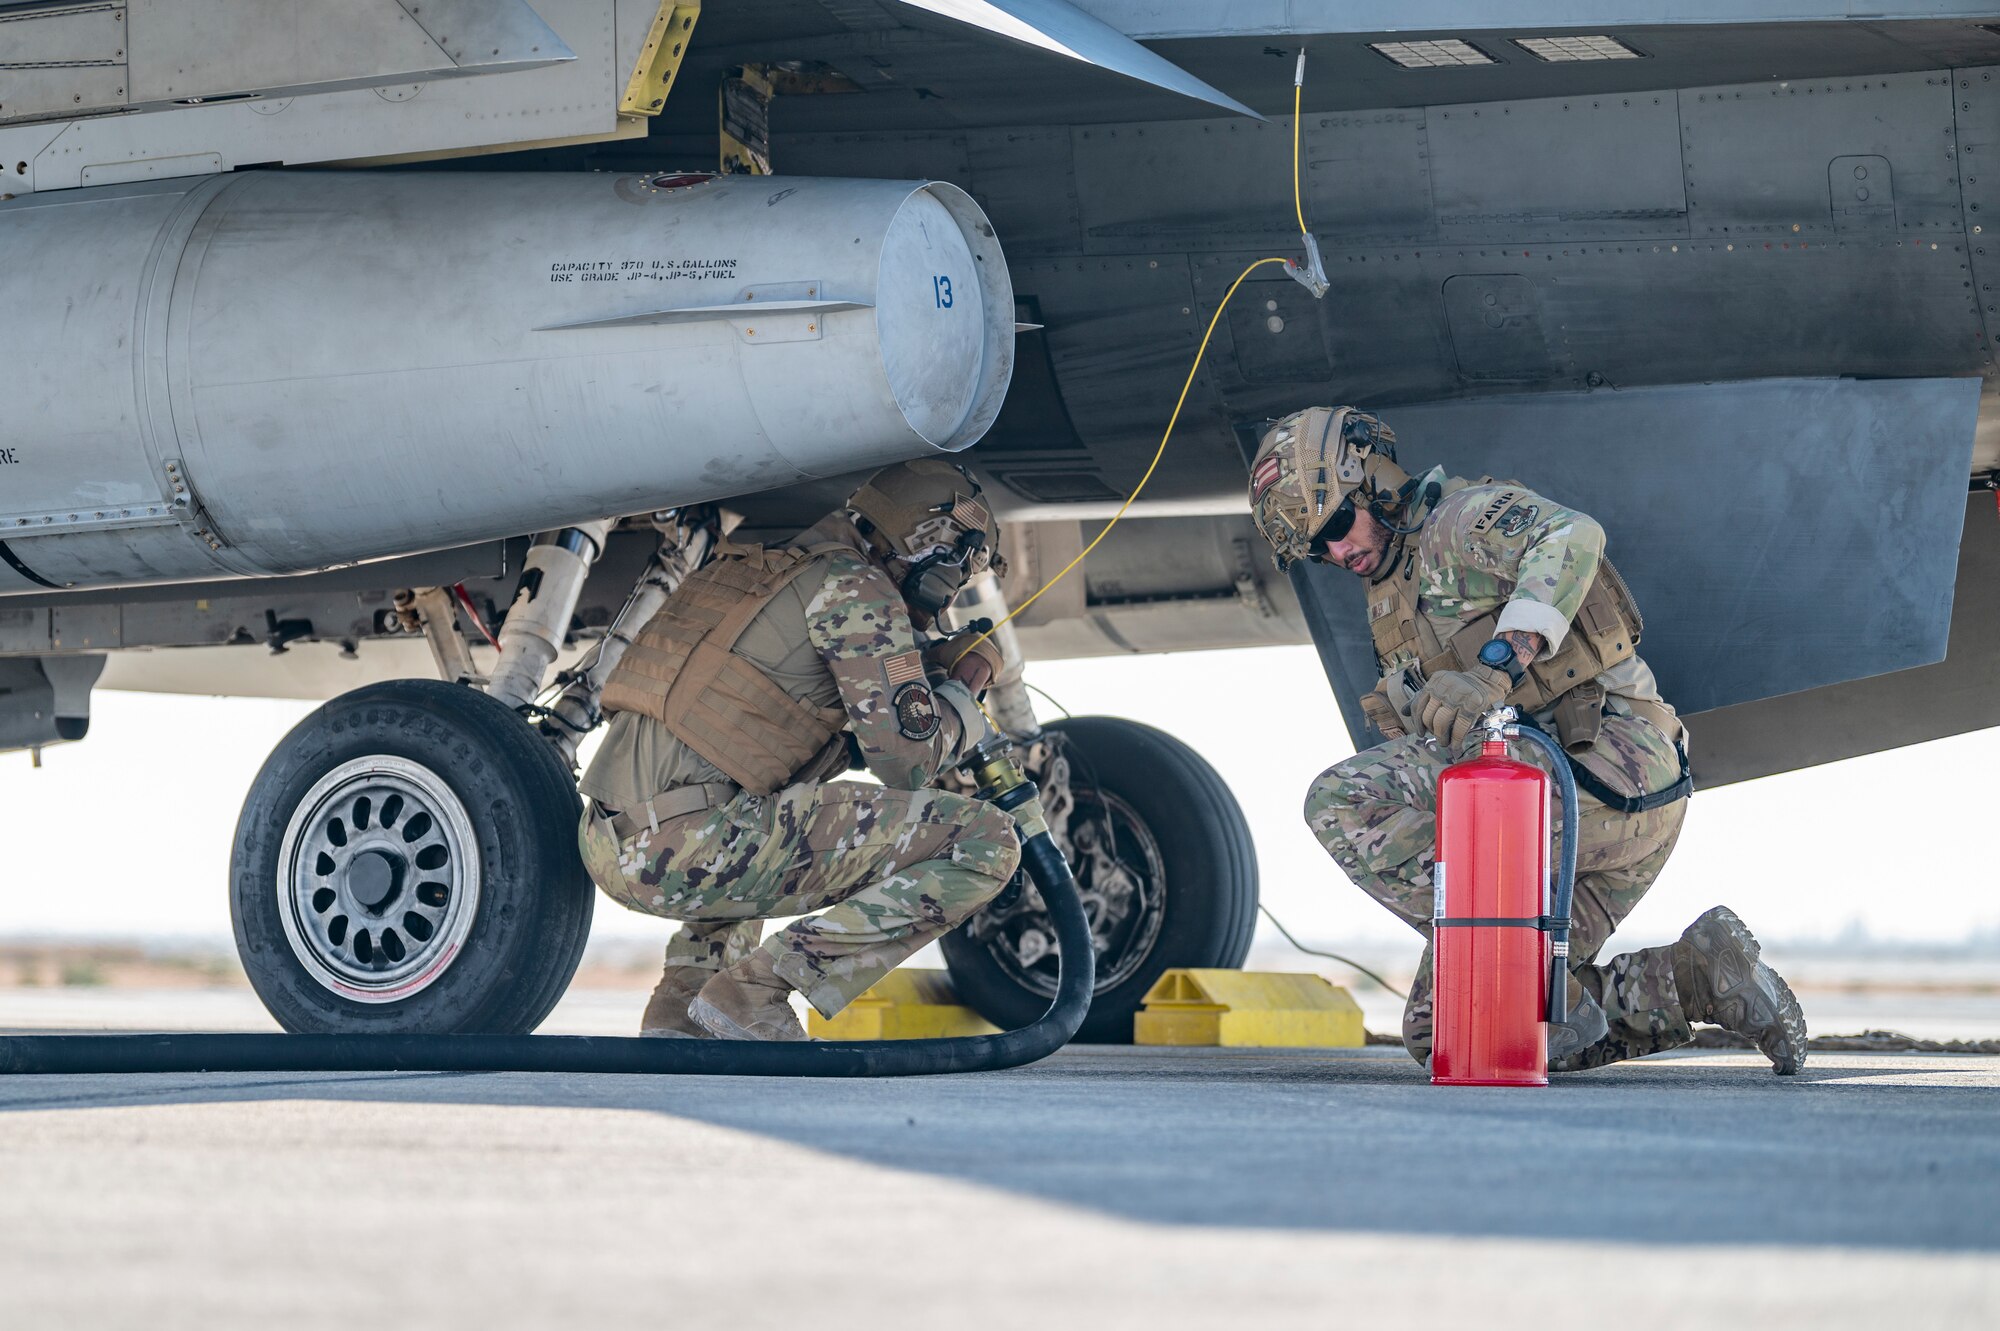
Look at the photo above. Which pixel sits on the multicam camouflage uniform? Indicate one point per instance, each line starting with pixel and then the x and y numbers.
pixel 890 867
pixel 1376 813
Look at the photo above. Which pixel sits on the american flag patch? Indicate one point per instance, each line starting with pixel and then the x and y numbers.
pixel 900 670
pixel 969 514
pixel 1264 477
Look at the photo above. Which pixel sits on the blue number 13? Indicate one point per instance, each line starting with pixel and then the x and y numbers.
pixel 941 291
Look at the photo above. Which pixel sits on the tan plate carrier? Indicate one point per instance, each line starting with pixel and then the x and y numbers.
pixel 1604 633
pixel 683 671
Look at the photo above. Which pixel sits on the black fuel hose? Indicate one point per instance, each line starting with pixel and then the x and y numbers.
pixel 1565 872
pixel 1075 982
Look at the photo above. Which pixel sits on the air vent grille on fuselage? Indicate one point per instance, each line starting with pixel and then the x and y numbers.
pixel 1568 50
pixel 1446 54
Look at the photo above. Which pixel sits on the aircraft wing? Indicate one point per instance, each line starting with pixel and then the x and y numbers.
pixel 76 61
pixel 1066 30
pixel 94 94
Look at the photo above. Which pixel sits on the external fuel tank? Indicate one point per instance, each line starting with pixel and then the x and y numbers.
pixel 275 372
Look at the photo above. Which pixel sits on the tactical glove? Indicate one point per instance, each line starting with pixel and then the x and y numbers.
pixel 942 656
pixel 1454 700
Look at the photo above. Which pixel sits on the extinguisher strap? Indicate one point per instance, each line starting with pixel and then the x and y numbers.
pixel 1545 923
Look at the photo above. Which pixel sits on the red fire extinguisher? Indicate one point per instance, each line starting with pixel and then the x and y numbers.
pixel 1500 932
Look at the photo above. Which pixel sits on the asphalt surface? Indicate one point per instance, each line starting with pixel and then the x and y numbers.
pixel 1112 1187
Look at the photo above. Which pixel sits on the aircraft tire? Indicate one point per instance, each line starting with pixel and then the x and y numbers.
pixel 1178 827
pixel 406 863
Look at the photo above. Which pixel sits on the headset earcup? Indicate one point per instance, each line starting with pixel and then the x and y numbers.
pixel 928 587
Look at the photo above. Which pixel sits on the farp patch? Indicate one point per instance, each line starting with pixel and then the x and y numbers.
pixel 1495 507
pixel 916 711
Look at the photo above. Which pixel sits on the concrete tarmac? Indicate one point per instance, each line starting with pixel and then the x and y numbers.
pixel 1102 1188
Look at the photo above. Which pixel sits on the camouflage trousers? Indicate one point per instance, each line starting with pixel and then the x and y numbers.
pixel 889 870
pixel 1376 814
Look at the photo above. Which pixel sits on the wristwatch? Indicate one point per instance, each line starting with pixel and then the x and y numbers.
pixel 1499 654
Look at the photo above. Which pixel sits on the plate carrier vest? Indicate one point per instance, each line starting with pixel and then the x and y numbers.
pixel 683 671
pixel 1604 632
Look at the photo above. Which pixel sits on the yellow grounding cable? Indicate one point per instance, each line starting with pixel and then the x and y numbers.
pixel 1298 207
pixel 1151 467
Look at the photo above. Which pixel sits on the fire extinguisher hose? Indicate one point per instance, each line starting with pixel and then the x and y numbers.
pixel 1565 874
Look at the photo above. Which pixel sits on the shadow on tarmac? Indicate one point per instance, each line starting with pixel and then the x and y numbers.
pixel 1870 1151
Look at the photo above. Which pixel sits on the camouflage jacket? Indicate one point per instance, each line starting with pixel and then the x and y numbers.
pixel 845 639
pixel 1532 559
pixel 1493 546
pixel 908 730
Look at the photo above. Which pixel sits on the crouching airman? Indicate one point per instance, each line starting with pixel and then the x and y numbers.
pixel 1483 593
pixel 767 674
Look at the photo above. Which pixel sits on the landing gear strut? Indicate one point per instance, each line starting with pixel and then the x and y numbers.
pixel 406 861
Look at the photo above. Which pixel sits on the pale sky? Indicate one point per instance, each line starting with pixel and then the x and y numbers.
pixel 128 832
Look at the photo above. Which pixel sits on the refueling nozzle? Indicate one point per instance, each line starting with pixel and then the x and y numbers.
pixel 991 763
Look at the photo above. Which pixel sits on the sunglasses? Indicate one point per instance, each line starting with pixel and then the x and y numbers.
pixel 1337 526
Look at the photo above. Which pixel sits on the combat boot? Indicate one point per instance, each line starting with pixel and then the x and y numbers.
pixel 1721 981
pixel 748 1002
pixel 666 1012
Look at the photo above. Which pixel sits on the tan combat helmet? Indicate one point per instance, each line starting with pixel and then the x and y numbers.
pixel 1315 467
pixel 930 514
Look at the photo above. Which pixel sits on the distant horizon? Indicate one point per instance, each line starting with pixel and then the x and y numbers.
pixel 1852 940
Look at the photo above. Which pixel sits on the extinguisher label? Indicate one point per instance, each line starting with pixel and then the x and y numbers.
pixel 1437 893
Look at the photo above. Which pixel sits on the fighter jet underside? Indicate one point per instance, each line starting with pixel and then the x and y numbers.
pixel 354 345
pixel 1719 284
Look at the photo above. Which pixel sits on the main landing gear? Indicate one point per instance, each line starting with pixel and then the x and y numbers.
pixel 1165 864
pixel 406 863
pixel 406 860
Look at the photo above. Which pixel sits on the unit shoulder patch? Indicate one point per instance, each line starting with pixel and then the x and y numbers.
pixel 916 711
pixel 1495 508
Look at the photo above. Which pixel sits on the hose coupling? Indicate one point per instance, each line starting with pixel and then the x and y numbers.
pixel 1001 780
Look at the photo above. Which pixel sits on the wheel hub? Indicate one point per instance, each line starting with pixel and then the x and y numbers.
pixel 375 879
pixel 378 879
pixel 1121 877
